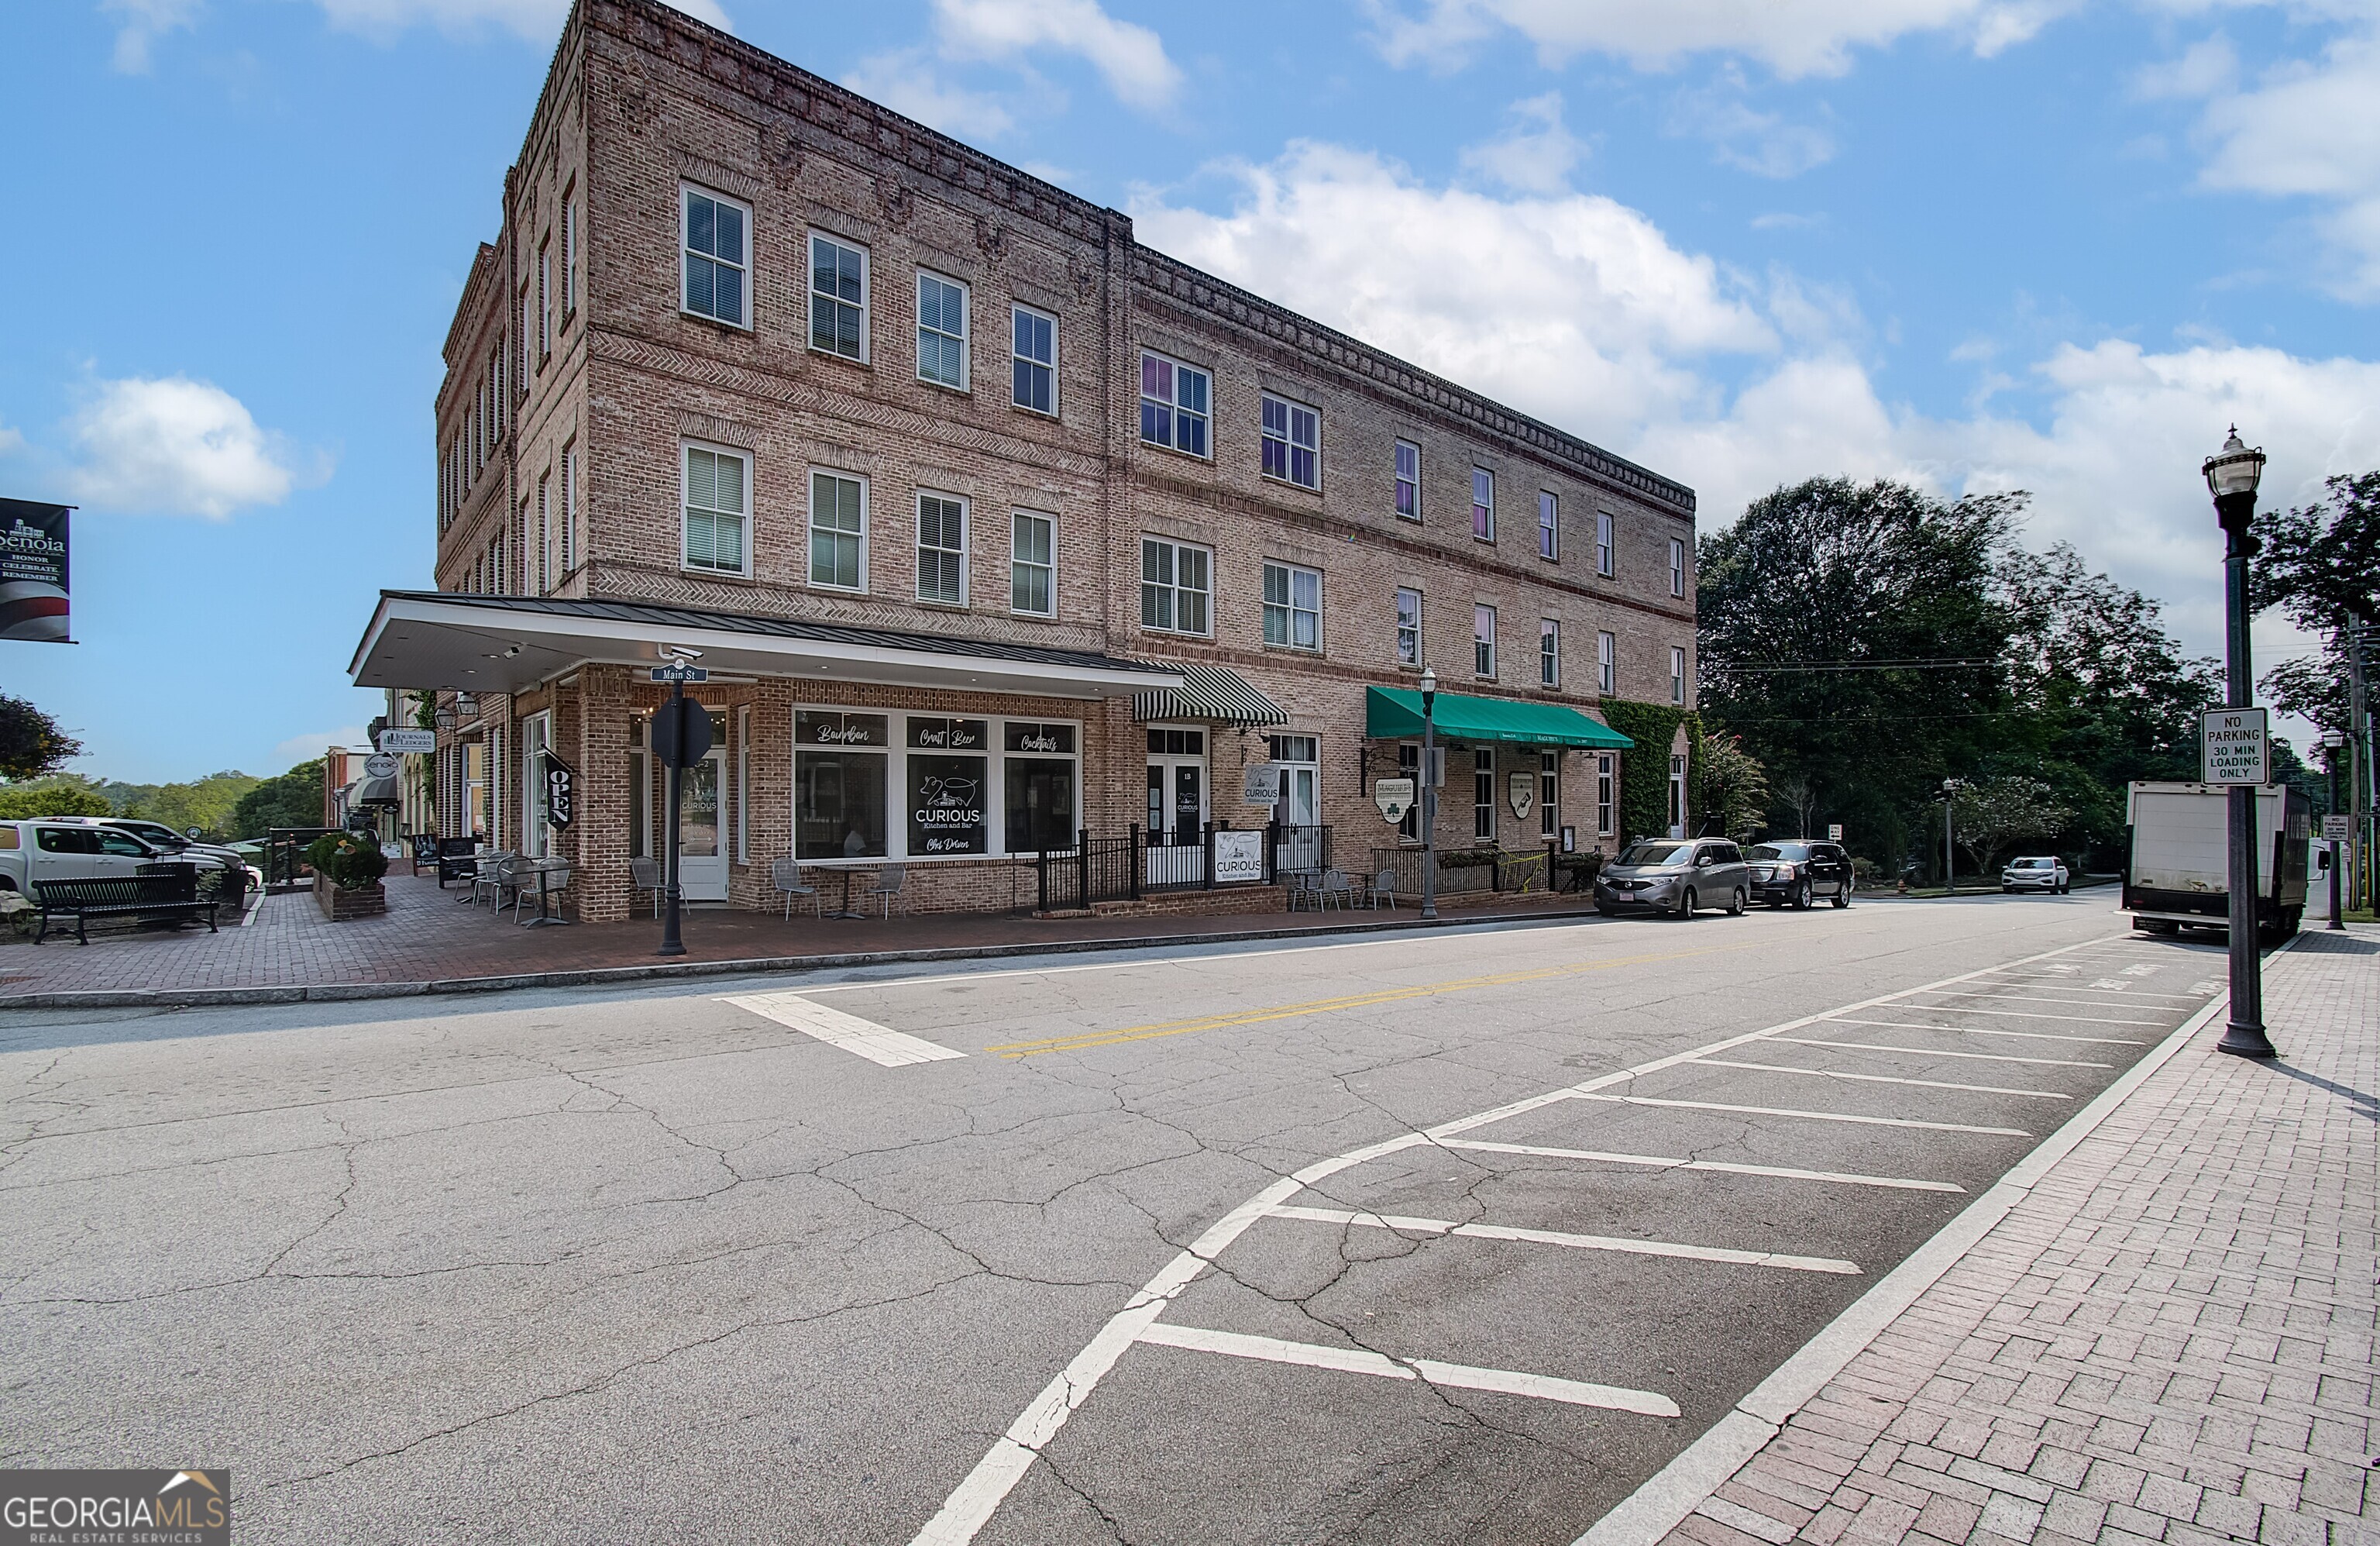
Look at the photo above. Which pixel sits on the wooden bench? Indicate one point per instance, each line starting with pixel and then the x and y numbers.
pixel 144 896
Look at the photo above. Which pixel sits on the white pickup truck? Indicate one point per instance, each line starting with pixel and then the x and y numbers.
pixel 2180 870
pixel 38 850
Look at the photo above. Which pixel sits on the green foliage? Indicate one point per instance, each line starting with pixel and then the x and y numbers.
pixel 31 742
pixel 51 796
pixel 204 803
pixel 294 799
pixel 350 860
pixel 1992 816
pixel 1644 772
pixel 1734 788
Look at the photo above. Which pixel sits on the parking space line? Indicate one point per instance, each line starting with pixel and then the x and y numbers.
pixel 2035 998
pixel 1357 1361
pixel 1929 1052
pixel 1886 1078
pixel 879 1044
pixel 1813 1115
pixel 2031 1015
pixel 1990 1030
pixel 1620 1244
pixel 1848 1178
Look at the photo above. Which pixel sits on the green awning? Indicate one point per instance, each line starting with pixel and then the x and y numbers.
pixel 1394 714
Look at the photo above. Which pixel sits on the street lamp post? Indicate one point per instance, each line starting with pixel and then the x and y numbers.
pixel 1428 795
pixel 2333 742
pixel 2231 477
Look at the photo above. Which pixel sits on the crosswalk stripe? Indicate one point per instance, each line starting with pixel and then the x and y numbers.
pixel 877 1043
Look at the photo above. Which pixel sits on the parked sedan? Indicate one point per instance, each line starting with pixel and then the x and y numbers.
pixel 1674 876
pixel 2043 872
pixel 1800 871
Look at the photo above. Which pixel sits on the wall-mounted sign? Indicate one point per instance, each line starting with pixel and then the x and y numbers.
pixel 1239 857
pixel 381 766
pixel 1394 797
pixel 2231 745
pixel 561 792
pixel 33 572
pixel 1522 793
pixel 1262 785
pixel 397 742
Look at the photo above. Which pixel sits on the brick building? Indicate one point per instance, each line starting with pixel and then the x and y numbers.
pixel 990 523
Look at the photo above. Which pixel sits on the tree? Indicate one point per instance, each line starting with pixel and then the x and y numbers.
pixel 294 799
pixel 31 742
pixel 2321 562
pixel 52 797
pixel 1990 817
pixel 1735 788
pixel 2312 690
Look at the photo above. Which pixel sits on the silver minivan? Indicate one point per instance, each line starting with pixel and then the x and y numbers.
pixel 1677 875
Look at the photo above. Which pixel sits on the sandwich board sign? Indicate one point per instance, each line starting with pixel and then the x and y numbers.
pixel 2233 746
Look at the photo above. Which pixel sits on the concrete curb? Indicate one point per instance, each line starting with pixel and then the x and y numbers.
pixel 336 993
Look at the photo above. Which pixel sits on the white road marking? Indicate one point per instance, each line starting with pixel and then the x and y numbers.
pixel 1987 1030
pixel 2140 972
pixel 2111 984
pixel 1813 1115
pixel 1930 1051
pixel 877 1043
pixel 1847 1178
pixel 1357 1361
pixel 1885 1078
pixel 1617 1243
pixel 2025 1014
pixel 2035 998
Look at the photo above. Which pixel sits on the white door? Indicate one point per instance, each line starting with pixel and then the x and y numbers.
pixel 1177 806
pixel 702 828
pixel 1300 811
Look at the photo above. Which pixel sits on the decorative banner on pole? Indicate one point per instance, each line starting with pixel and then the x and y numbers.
pixel 2231 744
pixel 33 572
pixel 561 792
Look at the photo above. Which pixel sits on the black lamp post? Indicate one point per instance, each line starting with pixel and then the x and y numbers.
pixel 2231 477
pixel 1428 795
pixel 2333 742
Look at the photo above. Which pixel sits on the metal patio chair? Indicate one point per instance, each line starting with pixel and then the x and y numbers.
pixel 785 874
pixel 888 880
pixel 645 874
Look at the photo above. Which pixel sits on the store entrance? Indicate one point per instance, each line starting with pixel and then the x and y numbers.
pixel 1177 806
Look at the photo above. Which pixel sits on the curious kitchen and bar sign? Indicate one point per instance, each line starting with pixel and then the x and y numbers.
pixel 33 572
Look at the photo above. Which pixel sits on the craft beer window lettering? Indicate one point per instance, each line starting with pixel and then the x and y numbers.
pixel 840 785
pixel 949 810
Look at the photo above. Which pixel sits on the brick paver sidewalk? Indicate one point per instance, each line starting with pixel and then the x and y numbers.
pixel 2170 1338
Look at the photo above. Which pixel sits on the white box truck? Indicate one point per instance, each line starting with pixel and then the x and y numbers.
pixel 2180 875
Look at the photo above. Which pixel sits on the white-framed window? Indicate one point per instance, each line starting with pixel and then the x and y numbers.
pixel 1549 653
pixel 527 535
pixel 1607 664
pixel 536 831
pixel 715 256
pixel 1677 796
pixel 1604 790
pixel 1677 566
pixel 1032 357
pixel 1483 641
pixel 1408 480
pixel 1175 403
pixel 544 300
pixel 1176 586
pixel 1033 564
pixel 1604 562
pixel 1292 443
pixel 942 548
pixel 569 253
pixel 838 531
pixel 1483 504
pixel 870 785
pixel 1677 675
pixel 1293 606
pixel 1408 626
pixel 569 509
pixel 838 298
pixel 744 784
pixel 1549 794
pixel 1483 795
pixel 1548 525
pixel 546 533
pixel 717 502
pixel 941 331
pixel 527 332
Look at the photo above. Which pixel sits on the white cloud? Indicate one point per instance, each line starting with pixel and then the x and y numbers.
pixel 1740 137
pixel 1129 57
pixel 306 748
pixel 11 441
pixel 2204 69
pixel 2309 128
pixel 537 20
pixel 175 446
pixel 905 82
pixel 1537 154
pixel 141 23
pixel 1792 37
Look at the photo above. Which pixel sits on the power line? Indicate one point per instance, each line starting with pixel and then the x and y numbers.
pixel 1852 665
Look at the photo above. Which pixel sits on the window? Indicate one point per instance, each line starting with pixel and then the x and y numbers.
pixel 941 331
pixel 544 301
pixel 1548 525
pixel 1483 642
pixel 942 549
pixel 1483 795
pixel 715 507
pixel 838 298
pixel 535 828
pixel 839 784
pixel 1408 480
pixel 1549 653
pixel 1607 664
pixel 838 531
pixel 1408 627
pixel 1033 360
pixel 949 785
pixel 1173 586
pixel 744 784
pixel 569 255
pixel 1549 794
pixel 544 534
pixel 1033 564
pixel 1173 405
pixel 1041 786
pixel 1293 606
pixel 1677 796
pixel 569 509
pixel 1677 675
pixel 1677 567
pixel 715 261
pixel 527 332
pixel 1603 792
pixel 1292 443
pixel 1603 561
pixel 1483 504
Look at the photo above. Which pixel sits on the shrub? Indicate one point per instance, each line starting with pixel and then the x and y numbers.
pixel 352 861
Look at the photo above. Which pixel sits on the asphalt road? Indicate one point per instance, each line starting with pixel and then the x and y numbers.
pixel 1489 1225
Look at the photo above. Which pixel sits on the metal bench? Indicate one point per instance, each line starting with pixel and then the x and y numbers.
pixel 174 896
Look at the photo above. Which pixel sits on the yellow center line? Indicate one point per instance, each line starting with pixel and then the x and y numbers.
pixel 1084 1039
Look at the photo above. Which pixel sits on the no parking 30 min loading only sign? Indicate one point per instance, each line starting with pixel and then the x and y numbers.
pixel 2231 747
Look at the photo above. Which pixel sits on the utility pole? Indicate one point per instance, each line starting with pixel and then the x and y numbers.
pixel 2364 789
pixel 1950 787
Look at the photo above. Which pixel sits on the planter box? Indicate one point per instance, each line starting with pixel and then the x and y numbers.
pixel 339 903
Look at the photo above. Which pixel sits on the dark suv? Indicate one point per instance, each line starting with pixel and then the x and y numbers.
pixel 1797 871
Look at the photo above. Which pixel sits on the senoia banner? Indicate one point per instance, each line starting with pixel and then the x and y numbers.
pixel 34 571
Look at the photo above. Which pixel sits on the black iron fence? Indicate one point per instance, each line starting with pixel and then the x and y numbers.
pixel 1136 864
pixel 284 854
pixel 1469 870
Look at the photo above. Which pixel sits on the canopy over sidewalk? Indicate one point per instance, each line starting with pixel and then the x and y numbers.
pixel 1394 714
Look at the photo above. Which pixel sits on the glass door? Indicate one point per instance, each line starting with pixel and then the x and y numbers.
pixel 702 854
pixel 1177 806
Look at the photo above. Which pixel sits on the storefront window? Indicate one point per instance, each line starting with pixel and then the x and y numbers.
pixel 949 801
pixel 1039 774
pixel 839 788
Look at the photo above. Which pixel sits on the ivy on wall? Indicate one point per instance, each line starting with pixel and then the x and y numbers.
pixel 1645 773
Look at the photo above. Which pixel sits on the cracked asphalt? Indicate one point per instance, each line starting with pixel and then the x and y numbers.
pixel 632 1266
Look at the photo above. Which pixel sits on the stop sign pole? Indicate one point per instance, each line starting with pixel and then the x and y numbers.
pixel 679 744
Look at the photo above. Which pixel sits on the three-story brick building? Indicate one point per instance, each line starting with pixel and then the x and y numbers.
pixel 993 525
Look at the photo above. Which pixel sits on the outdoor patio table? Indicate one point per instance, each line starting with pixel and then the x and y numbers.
pixel 843 910
pixel 543 868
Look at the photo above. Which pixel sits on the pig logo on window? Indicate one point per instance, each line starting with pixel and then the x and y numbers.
pixel 947 793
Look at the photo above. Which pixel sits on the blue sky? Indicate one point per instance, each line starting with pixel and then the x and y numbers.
pixel 1982 244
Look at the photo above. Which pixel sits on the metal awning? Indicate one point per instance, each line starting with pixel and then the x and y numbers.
pixel 1394 714
pixel 375 791
pixel 1215 694
pixel 426 639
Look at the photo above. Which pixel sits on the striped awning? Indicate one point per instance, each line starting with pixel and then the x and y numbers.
pixel 375 791
pixel 1214 694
